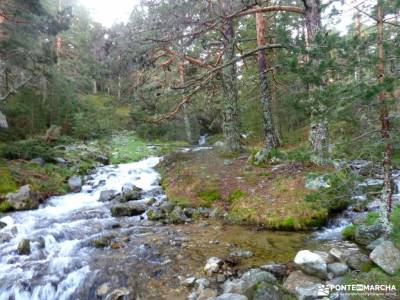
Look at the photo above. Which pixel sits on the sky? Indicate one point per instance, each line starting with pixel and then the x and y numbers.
pixel 108 12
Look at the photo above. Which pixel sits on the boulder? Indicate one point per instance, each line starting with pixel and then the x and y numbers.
pixel 128 210
pixel 230 296
pixel 75 184
pixel 202 283
pixel 375 243
pixel 248 281
pixel 219 144
pixel 325 256
pixel 189 282
pixel 60 161
pixel 213 265
pixel 337 269
pixel 311 263
pixel 359 262
pixel 316 182
pixel 107 195
pixel 309 292
pixel 130 192
pixel 299 279
pixel 387 257
pixel 278 270
pixel 366 234
pixel 102 242
pixel 267 290
pixel 24 198
pixel 167 206
pixel 177 216
pixel 2 225
pixel 24 247
pixel 155 214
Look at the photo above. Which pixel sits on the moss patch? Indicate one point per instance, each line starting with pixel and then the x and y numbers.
pixel 5 206
pixel 7 183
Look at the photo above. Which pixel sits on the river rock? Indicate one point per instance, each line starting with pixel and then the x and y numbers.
pixel 2 225
pixel 60 161
pixel 213 265
pixel 167 206
pixel 24 247
pixel 24 198
pixel 298 279
pixel 278 270
pixel 202 283
pixel 366 234
pixel 337 269
pixel 387 257
pixel 267 290
pixel 118 294
pixel 375 243
pixel 155 214
pixel 327 258
pixel 309 292
pixel 177 216
pixel 230 296
pixel 189 282
pixel 128 210
pixel 359 262
pixel 248 281
pixel 130 192
pixel 311 263
pixel 107 195
pixel 102 242
pixel 75 184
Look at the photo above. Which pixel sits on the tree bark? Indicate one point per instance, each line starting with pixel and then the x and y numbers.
pixel 186 119
pixel 385 123
pixel 319 135
pixel 268 123
pixel 231 125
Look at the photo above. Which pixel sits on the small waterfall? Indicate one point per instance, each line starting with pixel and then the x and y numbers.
pixel 203 140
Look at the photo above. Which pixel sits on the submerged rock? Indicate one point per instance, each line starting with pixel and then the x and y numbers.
pixel 75 184
pixel 24 247
pixel 102 242
pixel 311 263
pixel 387 257
pixel 24 198
pixel 107 195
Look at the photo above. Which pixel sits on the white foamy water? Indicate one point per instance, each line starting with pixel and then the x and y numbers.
pixel 60 232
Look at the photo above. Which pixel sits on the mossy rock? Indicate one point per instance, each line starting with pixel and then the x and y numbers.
pixel 5 206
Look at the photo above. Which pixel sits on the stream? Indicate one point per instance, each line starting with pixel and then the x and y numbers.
pixel 145 259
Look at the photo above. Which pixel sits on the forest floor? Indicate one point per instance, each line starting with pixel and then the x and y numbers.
pixel 273 196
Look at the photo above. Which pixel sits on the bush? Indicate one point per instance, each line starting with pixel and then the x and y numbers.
pixel 28 149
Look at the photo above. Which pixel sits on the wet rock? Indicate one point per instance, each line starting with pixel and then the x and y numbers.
pixel 337 269
pixel 230 296
pixel 119 294
pixel 298 279
pixel 24 247
pixel 38 161
pixel 2 225
pixel 366 234
pixel 75 184
pixel 337 254
pixel 311 263
pixel 266 290
pixel 248 281
pixel 278 270
pixel 167 206
pixel 102 159
pixel 387 257
pixel 107 195
pixel 359 262
pixel 102 242
pixel 241 253
pixel 130 192
pixel 24 198
pixel 128 210
pixel 189 282
pixel 213 265
pixel 103 289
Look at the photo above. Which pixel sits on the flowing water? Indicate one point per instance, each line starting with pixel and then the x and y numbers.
pixel 60 234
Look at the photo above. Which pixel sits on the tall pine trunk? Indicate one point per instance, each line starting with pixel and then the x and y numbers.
pixel 385 123
pixel 319 135
pixel 186 119
pixel 231 126
pixel 268 122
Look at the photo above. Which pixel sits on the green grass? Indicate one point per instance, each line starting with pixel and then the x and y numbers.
pixel 5 207
pixel 127 148
pixel 7 183
pixel 207 197
pixel 372 218
pixel 235 195
pixel 348 232
pixel 395 235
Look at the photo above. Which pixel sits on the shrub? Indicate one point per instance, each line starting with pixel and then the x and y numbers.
pixel 28 149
